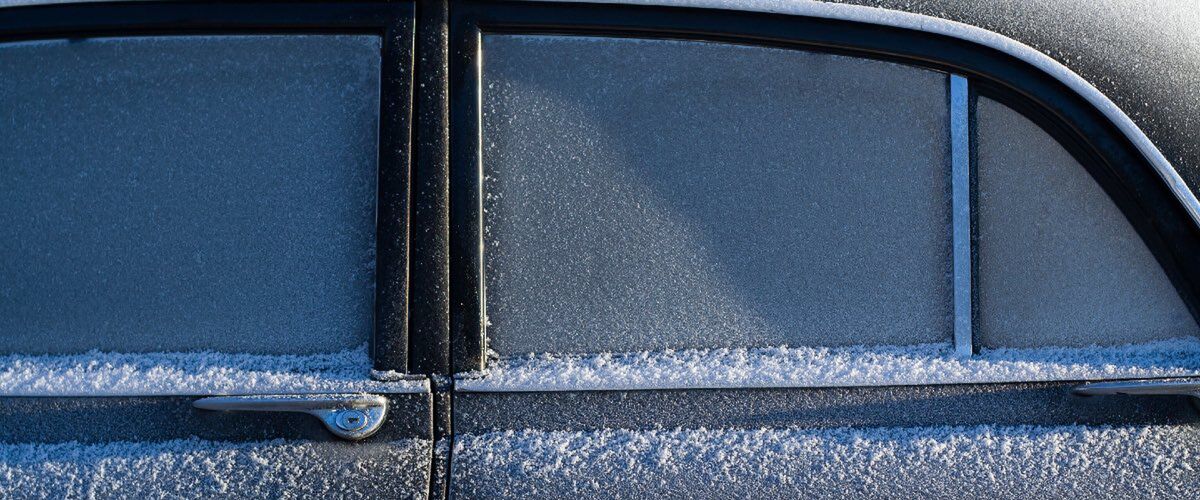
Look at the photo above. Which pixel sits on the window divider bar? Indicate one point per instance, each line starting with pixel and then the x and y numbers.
pixel 960 175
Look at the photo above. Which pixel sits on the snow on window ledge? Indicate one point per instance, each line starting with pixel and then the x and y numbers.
pixel 193 373
pixel 781 367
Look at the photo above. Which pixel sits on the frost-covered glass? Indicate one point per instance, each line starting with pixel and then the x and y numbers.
pixel 188 192
pixel 1059 264
pixel 650 194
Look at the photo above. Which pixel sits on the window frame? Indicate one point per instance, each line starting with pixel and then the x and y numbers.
pixel 1123 172
pixel 394 23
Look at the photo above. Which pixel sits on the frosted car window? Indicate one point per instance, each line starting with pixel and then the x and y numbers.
pixel 650 194
pixel 1059 263
pixel 188 192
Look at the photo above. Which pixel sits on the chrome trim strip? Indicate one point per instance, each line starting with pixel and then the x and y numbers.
pixel 1141 388
pixel 960 175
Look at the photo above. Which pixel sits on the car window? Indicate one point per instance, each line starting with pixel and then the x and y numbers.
pixel 653 194
pixel 1059 263
pixel 187 193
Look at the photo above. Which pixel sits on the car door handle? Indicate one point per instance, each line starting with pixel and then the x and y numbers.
pixel 1141 387
pixel 348 416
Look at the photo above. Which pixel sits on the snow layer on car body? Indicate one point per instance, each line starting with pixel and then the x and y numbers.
pixel 192 373
pixel 928 462
pixel 832 367
pixel 194 468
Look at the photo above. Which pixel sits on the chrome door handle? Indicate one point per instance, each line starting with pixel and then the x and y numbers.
pixel 1141 387
pixel 348 416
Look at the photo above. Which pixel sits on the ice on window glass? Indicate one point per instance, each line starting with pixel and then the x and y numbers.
pixel 651 194
pixel 1059 264
pixel 183 193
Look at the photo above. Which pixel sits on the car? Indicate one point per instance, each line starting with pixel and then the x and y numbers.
pixel 599 249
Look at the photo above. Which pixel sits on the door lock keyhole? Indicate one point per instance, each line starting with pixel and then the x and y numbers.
pixel 351 420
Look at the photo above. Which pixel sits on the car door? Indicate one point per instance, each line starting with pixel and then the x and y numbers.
pixel 205 252
pixel 710 254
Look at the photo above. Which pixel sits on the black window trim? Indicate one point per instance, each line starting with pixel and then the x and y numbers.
pixel 1124 174
pixel 393 22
